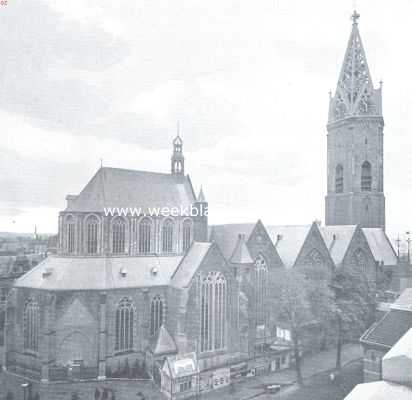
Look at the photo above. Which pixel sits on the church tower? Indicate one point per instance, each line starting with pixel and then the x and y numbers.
pixel 355 143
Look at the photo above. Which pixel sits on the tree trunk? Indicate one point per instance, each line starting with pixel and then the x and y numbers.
pixel 339 346
pixel 298 366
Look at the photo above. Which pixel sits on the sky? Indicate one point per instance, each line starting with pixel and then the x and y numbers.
pixel 248 82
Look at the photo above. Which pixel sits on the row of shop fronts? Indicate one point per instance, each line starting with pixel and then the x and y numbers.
pixel 180 377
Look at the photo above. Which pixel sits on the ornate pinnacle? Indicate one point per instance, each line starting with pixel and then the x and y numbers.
pixel 355 17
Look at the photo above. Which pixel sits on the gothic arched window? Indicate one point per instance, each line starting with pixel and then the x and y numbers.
pixel 145 235
pixel 118 235
pixel 261 275
pixel 339 179
pixel 156 315
pixel 124 325
pixel 71 234
pixel 31 322
pixel 187 234
pixel 167 236
pixel 92 225
pixel 366 177
pixel 315 259
pixel 213 312
pixel 361 261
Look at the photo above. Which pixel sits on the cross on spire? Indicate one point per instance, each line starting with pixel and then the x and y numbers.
pixel 355 17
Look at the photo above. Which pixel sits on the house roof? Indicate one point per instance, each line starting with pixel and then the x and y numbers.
pixel 164 342
pixel 404 301
pixel 397 362
pixel 115 187
pixel 402 348
pixel 380 390
pixel 227 236
pixel 181 365
pixel 389 329
pixel 380 246
pixel 105 273
pixel 288 240
pixel 337 239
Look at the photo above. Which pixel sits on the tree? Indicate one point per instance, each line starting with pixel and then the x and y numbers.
pixel 355 304
pixel 300 300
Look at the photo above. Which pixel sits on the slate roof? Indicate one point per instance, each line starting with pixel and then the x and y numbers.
pixel 227 236
pixel 241 253
pixel 288 240
pixel 337 239
pixel 380 246
pixel 115 187
pixel 189 264
pixel 389 329
pixel 105 273
pixel 164 343
pixel 380 390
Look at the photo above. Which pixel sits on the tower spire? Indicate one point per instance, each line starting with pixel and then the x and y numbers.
pixel 354 93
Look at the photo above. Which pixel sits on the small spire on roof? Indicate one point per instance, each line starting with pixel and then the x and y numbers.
pixel 201 197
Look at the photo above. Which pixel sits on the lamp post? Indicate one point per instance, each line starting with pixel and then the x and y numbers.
pixel 409 240
pixel 25 386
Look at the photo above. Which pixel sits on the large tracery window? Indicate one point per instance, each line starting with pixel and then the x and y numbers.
pixel 339 179
pixel 124 325
pixel 145 233
pixel 213 312
pixel 156 315
pixel 31 322
pixel 92 225
pixel 261 275
pixel 366 177
pixel 187 234
pixel 119 235
pixel 71 234
pixel 167 236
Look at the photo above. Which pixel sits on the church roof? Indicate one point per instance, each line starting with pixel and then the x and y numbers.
pixel 164 342
pixel 380 246
pixel 115 187
pixel 227 236
pixel 106 273
pixel 288 240
pixel 337 239
pixel 241 253
pixel 189 264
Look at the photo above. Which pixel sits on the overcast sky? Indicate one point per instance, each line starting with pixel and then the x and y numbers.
pixel 248 81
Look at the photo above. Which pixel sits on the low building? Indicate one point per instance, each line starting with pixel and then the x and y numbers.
pixel 396 381
pixel 383 335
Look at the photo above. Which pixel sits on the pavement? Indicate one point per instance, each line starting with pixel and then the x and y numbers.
pixel 251 388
